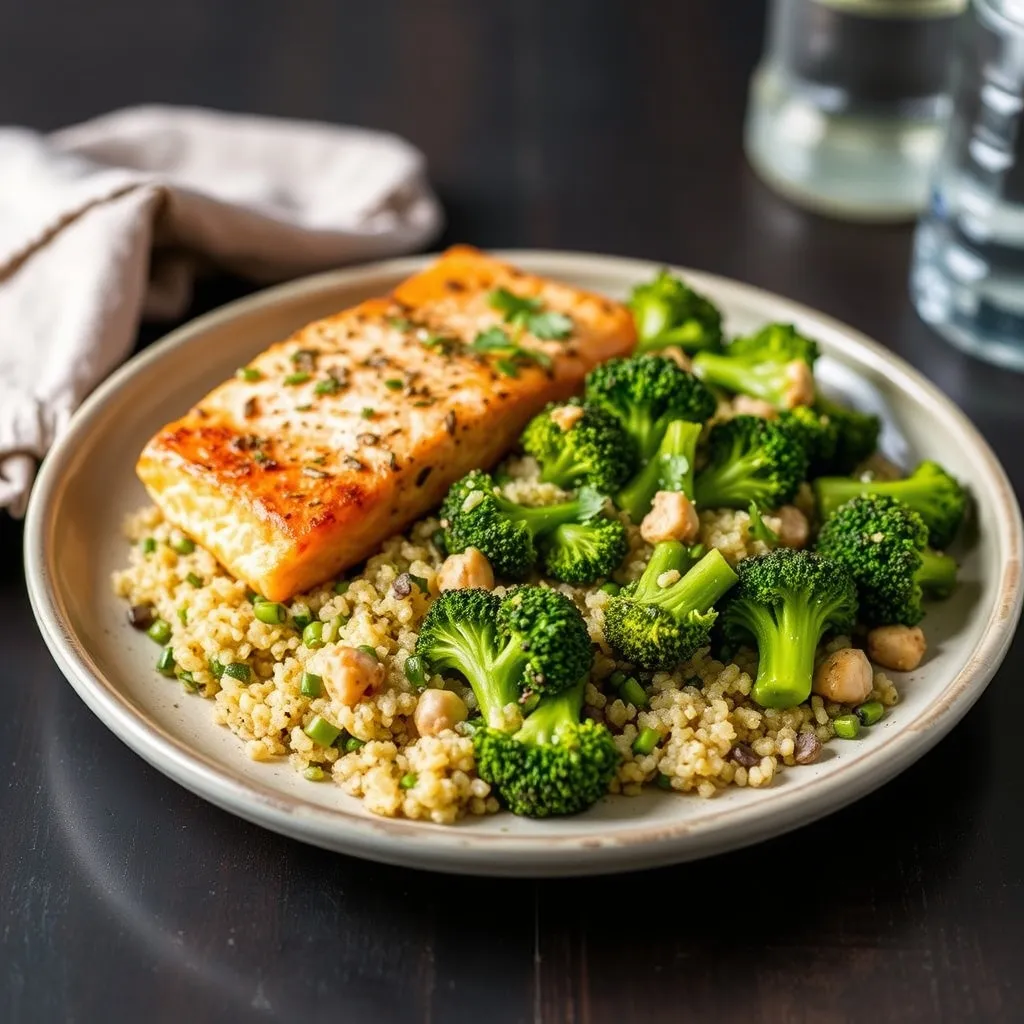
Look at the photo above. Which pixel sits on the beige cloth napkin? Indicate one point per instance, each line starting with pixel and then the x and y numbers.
pixel 106 222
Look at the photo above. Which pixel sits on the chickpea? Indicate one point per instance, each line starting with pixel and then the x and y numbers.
pixel 437 710
pixel 672 517
pixel 845 677
pixel 793 527
pixel 745 405
pixel 801 384
pixel 565 417
pixel 897 647
pixel 348 673
pixel 470 569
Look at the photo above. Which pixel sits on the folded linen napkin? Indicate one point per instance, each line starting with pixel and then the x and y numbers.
pixel 108 221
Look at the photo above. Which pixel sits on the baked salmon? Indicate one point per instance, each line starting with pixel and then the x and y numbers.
pixel 340 436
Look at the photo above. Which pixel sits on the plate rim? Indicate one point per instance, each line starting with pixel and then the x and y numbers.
pixel 455 849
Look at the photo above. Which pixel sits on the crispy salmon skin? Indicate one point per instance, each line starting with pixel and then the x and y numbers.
pixel 329 442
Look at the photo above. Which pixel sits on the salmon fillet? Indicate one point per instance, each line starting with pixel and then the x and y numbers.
pixel 354 427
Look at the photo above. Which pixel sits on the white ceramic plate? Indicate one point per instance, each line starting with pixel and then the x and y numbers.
pixel 87 484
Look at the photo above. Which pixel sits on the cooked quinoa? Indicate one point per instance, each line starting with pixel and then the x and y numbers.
pixel 713 734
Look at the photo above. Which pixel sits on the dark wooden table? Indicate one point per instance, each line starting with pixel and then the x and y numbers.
pixel 612 127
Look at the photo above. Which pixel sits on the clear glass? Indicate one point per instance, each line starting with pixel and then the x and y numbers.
pixel 967 277
pixel 847 107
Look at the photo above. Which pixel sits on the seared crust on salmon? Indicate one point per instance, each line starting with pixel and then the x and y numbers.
pixel 356 426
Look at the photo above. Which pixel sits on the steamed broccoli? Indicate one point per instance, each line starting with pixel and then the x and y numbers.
pixel 773 365
pixel 751 459
pixel 882 544
pixel 555 764
pixel 645 394
pixel 579 444
pixel 856 434
pixel 818 433
pixel 509 534
pixel 669 469
pixel 934 494
pixel 668 312
pixel 785 602
pixel 658 621
pixel 583 552
pixel 532 641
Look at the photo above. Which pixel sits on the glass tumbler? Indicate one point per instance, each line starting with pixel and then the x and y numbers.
pixel 967 275
pixel 849 102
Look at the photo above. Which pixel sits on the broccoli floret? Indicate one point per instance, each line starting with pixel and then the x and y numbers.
pixel 667 311
pixel 645 394
pixel 554 765
pixel 592 448
pixel 532 641
pixel 475 515
pixel 751 459
pixel 656 626
pixel 785 602
pixel 935 495
pixel 583 552
pixel 856 434
pixel 773 365
pixel 818 433
pixel 669 469
pixel 882 544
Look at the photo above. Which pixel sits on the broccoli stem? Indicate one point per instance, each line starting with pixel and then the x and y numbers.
pixel 766 381
pixel 669 469
pixel 667 555
pixel 563 469
pixel 937 575
pixel 471 652
pixel 732 485
pixel 541 726
pixel 786 642
pixel 542 518
pixel 698 591
pixel 833 491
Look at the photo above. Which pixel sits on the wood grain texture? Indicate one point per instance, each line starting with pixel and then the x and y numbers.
pixel 605 126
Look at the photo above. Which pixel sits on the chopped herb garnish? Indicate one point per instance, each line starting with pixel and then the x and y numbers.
pixel 394 384
pixel 196 581
pixel 493 339
pixel 507 367
pixel 511 306
pixel 305 407
pixel 260 456
pixel 248 373
pixel 328 386
pixel 550 326
pixel 529 313
pixel 296 378
pixel 400 323
pixel 149 545
pixel 367 413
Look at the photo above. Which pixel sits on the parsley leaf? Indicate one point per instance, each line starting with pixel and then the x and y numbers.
pixel 549 326
pixel 515 308
pixel 529 314
pixel 494 339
